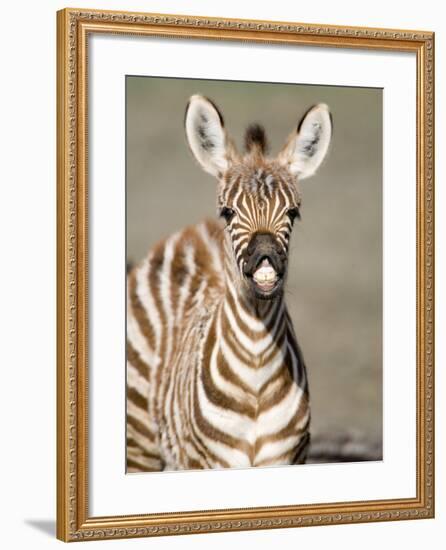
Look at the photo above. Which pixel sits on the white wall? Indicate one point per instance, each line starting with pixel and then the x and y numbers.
pixel 27 289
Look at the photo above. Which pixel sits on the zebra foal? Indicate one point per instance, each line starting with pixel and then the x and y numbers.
pixel 215 376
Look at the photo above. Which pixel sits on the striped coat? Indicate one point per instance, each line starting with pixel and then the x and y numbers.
pixel 215 376
pixel 211 382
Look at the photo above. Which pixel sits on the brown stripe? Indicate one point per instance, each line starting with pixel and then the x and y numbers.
pixel 233 188
pixel 207 455
pixel 178 272
pixel 285 371
pixel 275 347
pixel 139 312
pixel 136 446
pixel 242 243
pixel 302 450
pixel 215 229
pixel 245 329
pixel 278 395
pixel 215 434
pixel 238 350
pixel 266 398
pixel 301 371
pixel 135 359
pixel 213 393
pixel 290 191
pixel 229 374
pixel 176 277
pixel 140 427
pixel 137 467
pixel 193 464
pixel 137 399
pixel 191 435
pixel 204 462
pixel 289 430
pixel 156 264
pixel 201 449
pixel 292 456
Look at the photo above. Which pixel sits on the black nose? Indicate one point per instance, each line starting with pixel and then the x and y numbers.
pixel 264 245
pixel 263 241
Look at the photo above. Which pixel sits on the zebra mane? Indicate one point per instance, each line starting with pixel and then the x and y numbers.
pixel 255 139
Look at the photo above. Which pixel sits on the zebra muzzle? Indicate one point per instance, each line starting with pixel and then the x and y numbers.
pixel 265 275
pixel 264 266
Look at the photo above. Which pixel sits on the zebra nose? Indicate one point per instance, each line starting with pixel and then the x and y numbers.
pixel 264 241
pixel 261 246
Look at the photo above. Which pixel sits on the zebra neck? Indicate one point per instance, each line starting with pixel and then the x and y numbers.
pixel 258 309
pixel 255 325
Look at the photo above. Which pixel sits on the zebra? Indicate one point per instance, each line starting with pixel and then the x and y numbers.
pixel 215 375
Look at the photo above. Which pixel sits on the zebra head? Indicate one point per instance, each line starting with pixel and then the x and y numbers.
pixel 257 195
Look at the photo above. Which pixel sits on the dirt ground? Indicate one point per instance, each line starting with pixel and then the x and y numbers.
pixel 334 290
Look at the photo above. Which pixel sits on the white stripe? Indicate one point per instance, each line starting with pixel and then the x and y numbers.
pixel 137 340
pixel 165 284
pixel 164 287
pixel 225 420
pixel 252 376
pixel 254 347
pixel 251 322
pixel 234 457
pixel 170 395
pixel 277 417
pixel 136 381
pixel 192 453
pixel 189 256
pixel 224 385
pixel 274 212
pixel 212 247
pixel 200 294
pixel 142 440
pixel 145 463
pixel 237 241
pixel 145 296
pixel 140 414
pixel 276 448
pixel 271 388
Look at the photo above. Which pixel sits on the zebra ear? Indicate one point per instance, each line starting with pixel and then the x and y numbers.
pixel 206 135
pixel 306 148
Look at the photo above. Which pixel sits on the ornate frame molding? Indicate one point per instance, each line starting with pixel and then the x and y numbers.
pixel 73 29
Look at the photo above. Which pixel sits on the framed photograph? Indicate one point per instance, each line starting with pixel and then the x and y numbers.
pixel 245 274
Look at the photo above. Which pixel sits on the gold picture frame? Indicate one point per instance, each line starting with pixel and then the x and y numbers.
pixel 74 26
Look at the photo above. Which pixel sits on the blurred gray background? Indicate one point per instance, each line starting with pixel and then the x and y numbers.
pixel 334 290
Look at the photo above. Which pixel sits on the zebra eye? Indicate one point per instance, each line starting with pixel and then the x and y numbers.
pixel 294 213
pixel 227 213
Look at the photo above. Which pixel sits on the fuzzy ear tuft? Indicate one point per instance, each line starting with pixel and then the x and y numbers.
pixel 307 147
pixel 206 135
